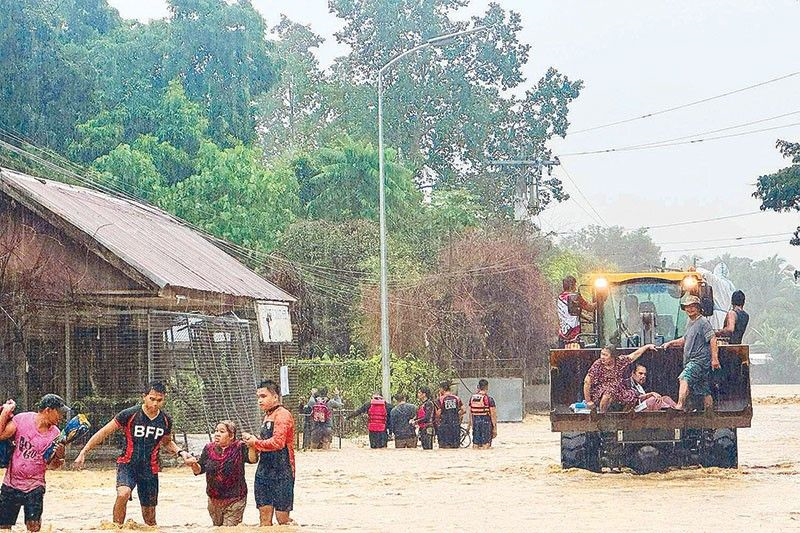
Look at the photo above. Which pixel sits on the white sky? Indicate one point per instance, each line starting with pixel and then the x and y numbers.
pixel 636 58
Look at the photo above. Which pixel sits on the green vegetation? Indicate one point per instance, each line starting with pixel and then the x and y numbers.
pixel 249 139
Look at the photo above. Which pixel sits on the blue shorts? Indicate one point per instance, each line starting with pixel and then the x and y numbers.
pixel 277 493
pixel 697 377
pixel 481 430
pixel 141 478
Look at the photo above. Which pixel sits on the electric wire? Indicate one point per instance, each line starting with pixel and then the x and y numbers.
pixel 666 144
pixel 577 188
pixel 722 239
pixel 318 273
pixel 684 106
pixel 699 221
pixel 724 246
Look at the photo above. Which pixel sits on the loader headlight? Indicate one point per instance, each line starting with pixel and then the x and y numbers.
pixel 689 283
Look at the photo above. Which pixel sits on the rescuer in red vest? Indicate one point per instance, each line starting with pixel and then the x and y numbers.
pixel 482 416
pixel 377 410
pixel 424 420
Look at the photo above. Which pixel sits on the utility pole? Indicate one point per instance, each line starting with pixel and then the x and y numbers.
pixel 528 184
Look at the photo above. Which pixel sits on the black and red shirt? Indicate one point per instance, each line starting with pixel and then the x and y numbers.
pixel 224 470
pixel 276 444
pixel 450 407
pixel 143 437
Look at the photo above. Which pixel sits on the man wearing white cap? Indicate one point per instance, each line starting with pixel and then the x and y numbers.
pixel 699 355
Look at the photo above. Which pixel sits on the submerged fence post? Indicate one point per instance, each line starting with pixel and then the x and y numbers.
pixel 149 349
pixel 67 361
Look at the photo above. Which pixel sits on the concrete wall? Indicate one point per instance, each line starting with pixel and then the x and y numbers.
pixel 507 394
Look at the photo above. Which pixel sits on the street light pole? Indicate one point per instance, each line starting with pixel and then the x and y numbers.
pixel 440 40
pixel 385 372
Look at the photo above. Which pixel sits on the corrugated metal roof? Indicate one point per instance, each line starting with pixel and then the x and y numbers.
pixel 148 239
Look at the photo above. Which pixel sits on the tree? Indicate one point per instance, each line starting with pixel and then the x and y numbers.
pixel 219 50
pixel 235 196
pixel 781 191
pixel 130 171
pixel 482 310
pixel 342 183
pixel 48 78
pixel 327 265
pixel 444 107
pixel 180 122
pixel 294 112
pixel 615 247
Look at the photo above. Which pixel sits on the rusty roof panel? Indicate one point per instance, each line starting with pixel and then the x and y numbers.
pixel 151 241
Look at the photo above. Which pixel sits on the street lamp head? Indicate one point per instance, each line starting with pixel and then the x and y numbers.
pixel 444 40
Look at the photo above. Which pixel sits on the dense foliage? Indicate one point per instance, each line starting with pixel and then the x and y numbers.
pixel 248 138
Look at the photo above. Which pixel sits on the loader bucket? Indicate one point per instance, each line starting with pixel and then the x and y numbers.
pixel 730 388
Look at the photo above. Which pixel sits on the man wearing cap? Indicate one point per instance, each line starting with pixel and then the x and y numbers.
pixel 24 484
pixel 699 355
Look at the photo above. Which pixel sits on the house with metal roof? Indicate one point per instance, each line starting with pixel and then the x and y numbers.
pixel 101 293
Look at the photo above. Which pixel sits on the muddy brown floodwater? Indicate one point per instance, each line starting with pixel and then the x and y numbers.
pixel 516 486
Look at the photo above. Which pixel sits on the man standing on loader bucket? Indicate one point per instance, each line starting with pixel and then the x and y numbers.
pixel 569 305
pixel 700 355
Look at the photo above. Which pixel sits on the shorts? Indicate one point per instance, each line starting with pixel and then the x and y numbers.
pixel 226 512
pixel 11 500
pixel 142 479
pixel 277 493
pixel 449 435
pixel 697 377
pixel 481 430
pixel 378 439
pixel 405 442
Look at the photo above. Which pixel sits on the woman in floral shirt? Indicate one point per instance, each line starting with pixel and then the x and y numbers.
pixel 605 382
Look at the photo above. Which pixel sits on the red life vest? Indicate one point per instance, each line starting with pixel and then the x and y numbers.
pixel 479 404
pixel 320 412
pixel 377 415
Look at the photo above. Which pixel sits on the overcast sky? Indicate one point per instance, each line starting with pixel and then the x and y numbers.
pixel 637 58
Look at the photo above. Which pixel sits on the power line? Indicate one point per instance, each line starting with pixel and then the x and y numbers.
pixel 701 221
pixel 597 216
pixel 740 238
pixel 683 106
pixel 709 132
pixel 666 144
pixel 723 247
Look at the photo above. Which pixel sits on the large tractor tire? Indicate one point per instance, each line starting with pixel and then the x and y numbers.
pixel 721 449
pixel 580 450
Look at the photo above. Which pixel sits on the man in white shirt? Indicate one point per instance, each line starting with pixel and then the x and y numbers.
pixel 648 401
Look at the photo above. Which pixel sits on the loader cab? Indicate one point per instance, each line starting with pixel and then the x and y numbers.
pixel 637 309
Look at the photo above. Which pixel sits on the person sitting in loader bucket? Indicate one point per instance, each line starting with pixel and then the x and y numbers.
pixel 606 382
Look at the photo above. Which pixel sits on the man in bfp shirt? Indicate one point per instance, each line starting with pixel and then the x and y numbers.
pixel 146 429
pixel 274 484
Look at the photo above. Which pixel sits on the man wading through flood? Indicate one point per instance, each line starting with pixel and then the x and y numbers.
pixel 378 411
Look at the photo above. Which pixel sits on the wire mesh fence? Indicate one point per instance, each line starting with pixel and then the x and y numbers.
pixel 100 359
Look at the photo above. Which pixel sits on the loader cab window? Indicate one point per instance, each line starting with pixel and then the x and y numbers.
pixel 642 312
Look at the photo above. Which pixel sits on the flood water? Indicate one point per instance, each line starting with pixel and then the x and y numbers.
pixel 516 486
